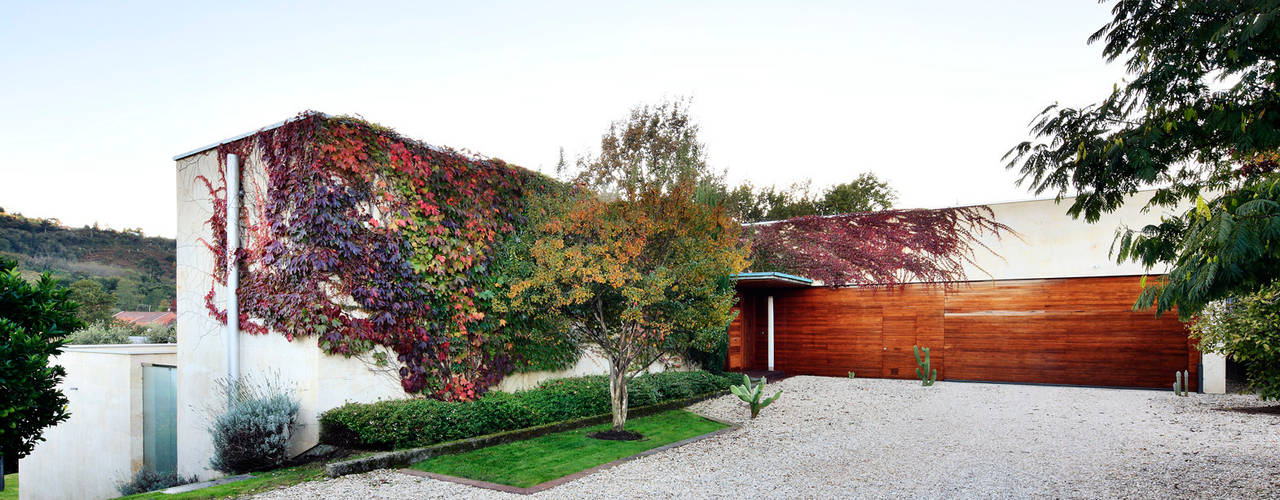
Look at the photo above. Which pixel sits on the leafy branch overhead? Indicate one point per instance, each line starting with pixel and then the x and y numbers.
pixel 1201 97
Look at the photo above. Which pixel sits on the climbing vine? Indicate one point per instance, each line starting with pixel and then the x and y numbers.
pixel 364 238
pixel 889 247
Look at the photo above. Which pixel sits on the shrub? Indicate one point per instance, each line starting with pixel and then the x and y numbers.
pixel 103 332
pixel 118 332
pixel 408 423
pixel 1246 327
pixel 146 480
pixel 253 433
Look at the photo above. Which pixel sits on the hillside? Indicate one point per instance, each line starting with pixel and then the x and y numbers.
pixel 136 269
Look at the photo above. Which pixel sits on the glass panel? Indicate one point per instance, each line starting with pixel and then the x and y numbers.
pixel 160 418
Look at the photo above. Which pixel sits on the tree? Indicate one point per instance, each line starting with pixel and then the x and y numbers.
pixel 864 194
pixel 656 148
pixel 637 264
pixel 33 321
pixel 637 278
pixel 95 303
pixel 1199 118
pixel 1201 97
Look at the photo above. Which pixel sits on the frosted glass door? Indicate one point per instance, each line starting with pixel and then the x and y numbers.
pixel 160 418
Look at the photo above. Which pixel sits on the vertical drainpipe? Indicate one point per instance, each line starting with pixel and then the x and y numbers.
pixel 770 333
pixel 233 274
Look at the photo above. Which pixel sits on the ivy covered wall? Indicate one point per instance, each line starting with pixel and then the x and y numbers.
pixel 362 238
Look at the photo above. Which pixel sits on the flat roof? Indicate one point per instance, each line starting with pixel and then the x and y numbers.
pixel 235 138
pixel 770 280
pixel 125 349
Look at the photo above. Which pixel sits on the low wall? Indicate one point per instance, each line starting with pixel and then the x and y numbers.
pixel 101 444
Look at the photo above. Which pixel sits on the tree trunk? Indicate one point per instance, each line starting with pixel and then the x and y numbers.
pixel 618 394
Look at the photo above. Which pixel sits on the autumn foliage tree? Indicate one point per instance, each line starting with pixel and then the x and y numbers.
pixel 636 278
pixel 636 263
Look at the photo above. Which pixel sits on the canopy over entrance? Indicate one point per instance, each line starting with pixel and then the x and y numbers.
pixel 770 280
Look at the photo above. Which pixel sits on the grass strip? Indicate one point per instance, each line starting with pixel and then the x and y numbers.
pixel 260 482
pixel 541 459
pixel 10 487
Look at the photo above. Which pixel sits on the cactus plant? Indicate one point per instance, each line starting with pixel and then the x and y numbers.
pixel 927 376
pixel 851 375
pixel 751 394
pixel 1181 382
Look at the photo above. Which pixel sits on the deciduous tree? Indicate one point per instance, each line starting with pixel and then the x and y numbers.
pixel 636 278
pixel 1199 119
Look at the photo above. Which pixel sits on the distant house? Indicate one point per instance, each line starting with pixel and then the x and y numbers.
pixel 147 318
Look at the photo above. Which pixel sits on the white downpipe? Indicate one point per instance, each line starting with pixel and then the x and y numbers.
pixel 233 274
pixel 770 333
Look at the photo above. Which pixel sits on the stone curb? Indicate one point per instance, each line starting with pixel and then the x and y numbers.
pixel 401 458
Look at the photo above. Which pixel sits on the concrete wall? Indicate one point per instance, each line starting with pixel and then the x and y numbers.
pixel 101 445
pixel 1050 244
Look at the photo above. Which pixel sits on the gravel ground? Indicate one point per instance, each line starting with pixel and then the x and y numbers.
pixel 835 437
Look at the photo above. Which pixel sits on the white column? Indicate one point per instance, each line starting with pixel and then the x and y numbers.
pixel 770 333
pixel 233 273
pixel 1214 367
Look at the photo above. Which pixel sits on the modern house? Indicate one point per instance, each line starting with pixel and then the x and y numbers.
pixel 1049 306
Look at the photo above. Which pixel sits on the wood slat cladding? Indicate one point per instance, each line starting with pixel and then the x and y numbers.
pixel 1078 331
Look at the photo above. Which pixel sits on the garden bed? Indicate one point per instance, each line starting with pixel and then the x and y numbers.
pixel 546 461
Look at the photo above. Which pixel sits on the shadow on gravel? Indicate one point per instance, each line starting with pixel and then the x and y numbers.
pixel 1255 410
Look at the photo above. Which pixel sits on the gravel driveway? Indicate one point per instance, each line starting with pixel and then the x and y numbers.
pixel 835 437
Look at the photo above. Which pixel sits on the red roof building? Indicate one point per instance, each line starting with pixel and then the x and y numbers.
pixel 146 318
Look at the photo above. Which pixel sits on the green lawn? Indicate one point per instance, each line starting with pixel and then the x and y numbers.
pixel 529 462
pixel 10 487
pixel 260 482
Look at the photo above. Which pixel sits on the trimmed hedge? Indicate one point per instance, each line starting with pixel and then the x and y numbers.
pixel 410 423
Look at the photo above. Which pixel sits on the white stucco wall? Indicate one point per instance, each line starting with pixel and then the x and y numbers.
pixel 101 445
pixel 1051 244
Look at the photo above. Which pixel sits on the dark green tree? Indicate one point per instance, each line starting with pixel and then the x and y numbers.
pixel 865 194
pixel 96 304
pixel 1199 120
pixel 33 320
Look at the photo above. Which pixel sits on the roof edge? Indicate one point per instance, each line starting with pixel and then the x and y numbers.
pixel 228 140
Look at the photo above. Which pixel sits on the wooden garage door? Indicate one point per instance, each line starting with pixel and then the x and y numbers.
pixel 1076 331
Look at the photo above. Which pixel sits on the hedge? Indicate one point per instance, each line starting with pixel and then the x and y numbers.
pixel 409 423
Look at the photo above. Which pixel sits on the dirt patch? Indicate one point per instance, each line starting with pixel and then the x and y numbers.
pixel 612 435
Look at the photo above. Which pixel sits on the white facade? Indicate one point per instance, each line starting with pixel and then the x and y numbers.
pixel 101 445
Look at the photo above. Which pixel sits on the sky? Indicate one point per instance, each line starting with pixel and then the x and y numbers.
pixel 97 98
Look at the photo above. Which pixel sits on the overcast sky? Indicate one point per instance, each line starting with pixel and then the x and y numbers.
pixel 97 98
